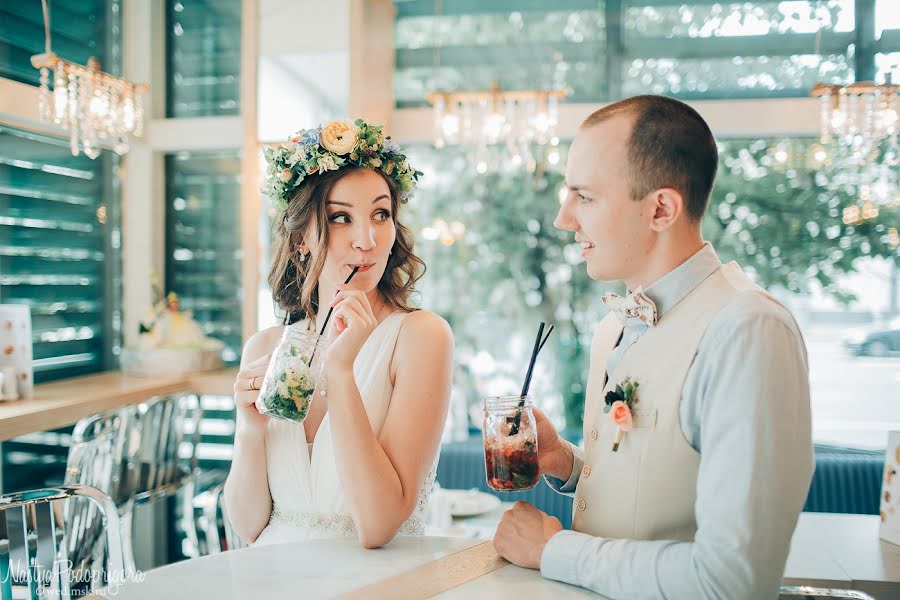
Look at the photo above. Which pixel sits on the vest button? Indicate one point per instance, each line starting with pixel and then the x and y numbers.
pixel 594 433
pixel 586 471
pixel 581 504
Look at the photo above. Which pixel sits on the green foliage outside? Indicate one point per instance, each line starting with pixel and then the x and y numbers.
pixel 511 268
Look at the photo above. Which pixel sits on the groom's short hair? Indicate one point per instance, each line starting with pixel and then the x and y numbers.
pixel 670 146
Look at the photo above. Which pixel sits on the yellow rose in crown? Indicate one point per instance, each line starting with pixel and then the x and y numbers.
pixel 339 136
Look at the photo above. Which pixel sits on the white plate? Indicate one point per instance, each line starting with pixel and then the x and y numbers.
pixel 468 503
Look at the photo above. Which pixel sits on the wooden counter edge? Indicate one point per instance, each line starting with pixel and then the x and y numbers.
pixel 64 402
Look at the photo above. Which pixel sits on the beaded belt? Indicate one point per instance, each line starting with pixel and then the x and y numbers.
pixel 339 523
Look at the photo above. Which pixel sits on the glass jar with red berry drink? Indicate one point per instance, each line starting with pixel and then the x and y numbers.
pixel 510 443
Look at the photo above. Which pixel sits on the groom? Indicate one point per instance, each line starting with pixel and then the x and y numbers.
pixel 702 495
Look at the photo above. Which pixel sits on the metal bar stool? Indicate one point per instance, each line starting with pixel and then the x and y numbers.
pixel 42 542
pixel 102 456
pixel 218 534
pixel 166 460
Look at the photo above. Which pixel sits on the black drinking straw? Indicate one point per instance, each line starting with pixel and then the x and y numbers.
pixel 328 316
pixel 330 309
pixel 539 342
pixel 546 337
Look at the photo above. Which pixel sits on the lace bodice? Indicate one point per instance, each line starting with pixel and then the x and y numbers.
pixel 307 496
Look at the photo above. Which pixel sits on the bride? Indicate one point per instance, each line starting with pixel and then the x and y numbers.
pixel 363 461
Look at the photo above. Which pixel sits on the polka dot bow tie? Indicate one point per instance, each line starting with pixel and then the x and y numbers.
pixel 634 304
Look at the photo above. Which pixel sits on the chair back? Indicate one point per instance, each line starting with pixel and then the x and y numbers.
pixel 216 531
pixel 167 424
pixel 37 544
pixel 103 453
pixel 102 456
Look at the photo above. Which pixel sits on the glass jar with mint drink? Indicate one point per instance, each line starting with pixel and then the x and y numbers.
pixel 294 375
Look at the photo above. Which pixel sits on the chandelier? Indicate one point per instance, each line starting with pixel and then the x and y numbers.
pixel 501 129
pixel 859 141
pixel 94 106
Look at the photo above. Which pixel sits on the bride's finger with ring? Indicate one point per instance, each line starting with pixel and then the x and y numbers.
pixel 250 379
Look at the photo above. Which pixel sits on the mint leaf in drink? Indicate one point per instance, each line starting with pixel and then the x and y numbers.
pixel 520 480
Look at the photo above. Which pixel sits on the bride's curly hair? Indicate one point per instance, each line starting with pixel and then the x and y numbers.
pixel 294 278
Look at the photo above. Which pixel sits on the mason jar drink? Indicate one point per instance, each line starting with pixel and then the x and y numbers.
pixel 510 443
pixel 294 375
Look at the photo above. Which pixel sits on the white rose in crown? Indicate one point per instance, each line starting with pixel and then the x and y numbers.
pixel 327 163
pixel 340 136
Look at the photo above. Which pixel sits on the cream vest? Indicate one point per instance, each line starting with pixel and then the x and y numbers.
pixel 646 490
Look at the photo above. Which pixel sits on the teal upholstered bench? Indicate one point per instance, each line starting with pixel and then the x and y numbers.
pixel 845 480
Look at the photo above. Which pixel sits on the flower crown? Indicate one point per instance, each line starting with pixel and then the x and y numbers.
pixel 328 148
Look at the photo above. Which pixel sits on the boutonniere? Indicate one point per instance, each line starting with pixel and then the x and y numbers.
pixel 620 402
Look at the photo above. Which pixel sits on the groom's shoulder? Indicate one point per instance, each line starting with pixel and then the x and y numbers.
pixel 753 310
pixel 608 325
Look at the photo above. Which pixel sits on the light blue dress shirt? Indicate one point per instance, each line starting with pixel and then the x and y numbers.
pixel 745 408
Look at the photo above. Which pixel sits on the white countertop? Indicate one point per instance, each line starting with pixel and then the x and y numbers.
pixel 326 568
pixel 828 550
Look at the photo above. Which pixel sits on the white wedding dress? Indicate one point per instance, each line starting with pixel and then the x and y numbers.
pixel 307 496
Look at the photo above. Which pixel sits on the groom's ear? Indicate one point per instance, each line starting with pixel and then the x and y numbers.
pixel 667 205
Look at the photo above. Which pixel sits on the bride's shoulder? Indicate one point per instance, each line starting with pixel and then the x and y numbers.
pixel 424 328
pixel 261 343
pixel 425 342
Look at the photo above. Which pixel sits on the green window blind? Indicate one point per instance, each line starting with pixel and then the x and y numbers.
pixel 60 251
pixel 79 29
pixel 203 246
pixel 203 57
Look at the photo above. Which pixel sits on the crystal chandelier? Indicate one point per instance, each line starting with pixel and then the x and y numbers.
pixel 859 141
pixel 501 129
pixel 94 106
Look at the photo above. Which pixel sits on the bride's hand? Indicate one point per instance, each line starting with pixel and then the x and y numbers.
pixel 353 322
pixel 246 391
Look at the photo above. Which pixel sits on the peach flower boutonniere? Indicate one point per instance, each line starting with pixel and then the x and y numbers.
pixel 620 402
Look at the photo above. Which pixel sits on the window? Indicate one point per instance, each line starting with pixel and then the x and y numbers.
pixel 203 256
pixel 203 57
pixel 60 251
pixel 469 45
pixel 740 50
pixel 887 29
pixel 600 50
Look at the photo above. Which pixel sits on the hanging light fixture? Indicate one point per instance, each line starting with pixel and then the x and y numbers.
pixel 508 127
pixel 94 106
pixel 859 126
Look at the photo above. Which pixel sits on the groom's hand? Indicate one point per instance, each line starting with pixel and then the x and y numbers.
pixel 554 455
pixel 522 534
